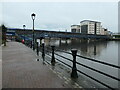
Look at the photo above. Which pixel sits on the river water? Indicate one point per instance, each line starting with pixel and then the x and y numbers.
pixel 106 51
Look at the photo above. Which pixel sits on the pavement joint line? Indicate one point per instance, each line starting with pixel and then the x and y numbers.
pixel 76 84
pixel 64 77
pixel 69 79
pixel 60 77
pixel 50 68
pixel 66 82
pixel 80 87
pixel 75 87
pixel 53 71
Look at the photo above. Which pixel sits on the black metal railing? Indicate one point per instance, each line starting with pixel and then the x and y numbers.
pixel 74 74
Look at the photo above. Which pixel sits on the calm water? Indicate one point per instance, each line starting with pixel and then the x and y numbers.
pixel 106 51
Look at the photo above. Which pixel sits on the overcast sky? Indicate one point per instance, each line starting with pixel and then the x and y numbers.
pixel 59 15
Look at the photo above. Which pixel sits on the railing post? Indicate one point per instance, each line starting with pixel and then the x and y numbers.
pixel 30 44
pixel 53 57
pixel 37 49
pixel 43 52
pixel 33 46
pixel 40 41
pixel 74 69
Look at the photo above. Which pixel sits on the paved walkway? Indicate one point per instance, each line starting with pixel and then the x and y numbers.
pixel 21 70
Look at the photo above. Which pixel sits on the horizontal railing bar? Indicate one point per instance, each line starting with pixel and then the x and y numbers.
pixel 94 60
pixel 47 61
pixel 48 47
pixel 91 68
pixel 64 63
pixel 99 62
pixel 64 57
pixel 64 51
pixel 98 71
pixel 95 79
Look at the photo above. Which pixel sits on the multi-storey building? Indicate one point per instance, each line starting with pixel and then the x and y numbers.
pixel 90 27
pixel 75 28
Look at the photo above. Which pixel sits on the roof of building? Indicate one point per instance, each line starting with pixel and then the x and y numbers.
pixel 89 21
pixel 75 25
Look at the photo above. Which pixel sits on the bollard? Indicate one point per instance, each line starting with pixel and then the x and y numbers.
pixel 37 49
pixel 33 46
pixel 40 41
pixel 43 52
pixel 30 44
pixel 74 69
pixel 53 57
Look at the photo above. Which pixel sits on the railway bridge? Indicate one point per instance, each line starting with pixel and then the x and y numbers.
pixel 38 34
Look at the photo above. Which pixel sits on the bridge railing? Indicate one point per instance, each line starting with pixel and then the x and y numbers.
pixel 51 51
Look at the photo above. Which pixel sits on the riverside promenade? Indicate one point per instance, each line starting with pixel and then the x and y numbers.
pixel 21 70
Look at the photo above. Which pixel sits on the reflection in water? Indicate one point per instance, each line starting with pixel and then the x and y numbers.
pixel 85 48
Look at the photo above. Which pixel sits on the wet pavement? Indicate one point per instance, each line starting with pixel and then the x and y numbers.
pixel 21 70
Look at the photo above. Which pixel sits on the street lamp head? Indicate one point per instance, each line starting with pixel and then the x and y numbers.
pixel 24 26
pixel 33 16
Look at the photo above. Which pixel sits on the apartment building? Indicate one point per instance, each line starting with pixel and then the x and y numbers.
pixel 90 27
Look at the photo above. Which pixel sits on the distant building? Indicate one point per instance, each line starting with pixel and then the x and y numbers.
pixel 90 27
pixel 104 31
pixel 75 28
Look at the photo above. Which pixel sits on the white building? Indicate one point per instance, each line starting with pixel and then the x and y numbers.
pixel 104 31
pixel 75 28
pixel 91 27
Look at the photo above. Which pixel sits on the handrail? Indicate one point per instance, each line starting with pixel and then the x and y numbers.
pixel 63 57
pixel 115 66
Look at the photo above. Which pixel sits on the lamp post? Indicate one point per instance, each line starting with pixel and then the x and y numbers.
pixel 33 18
pixel 24 31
